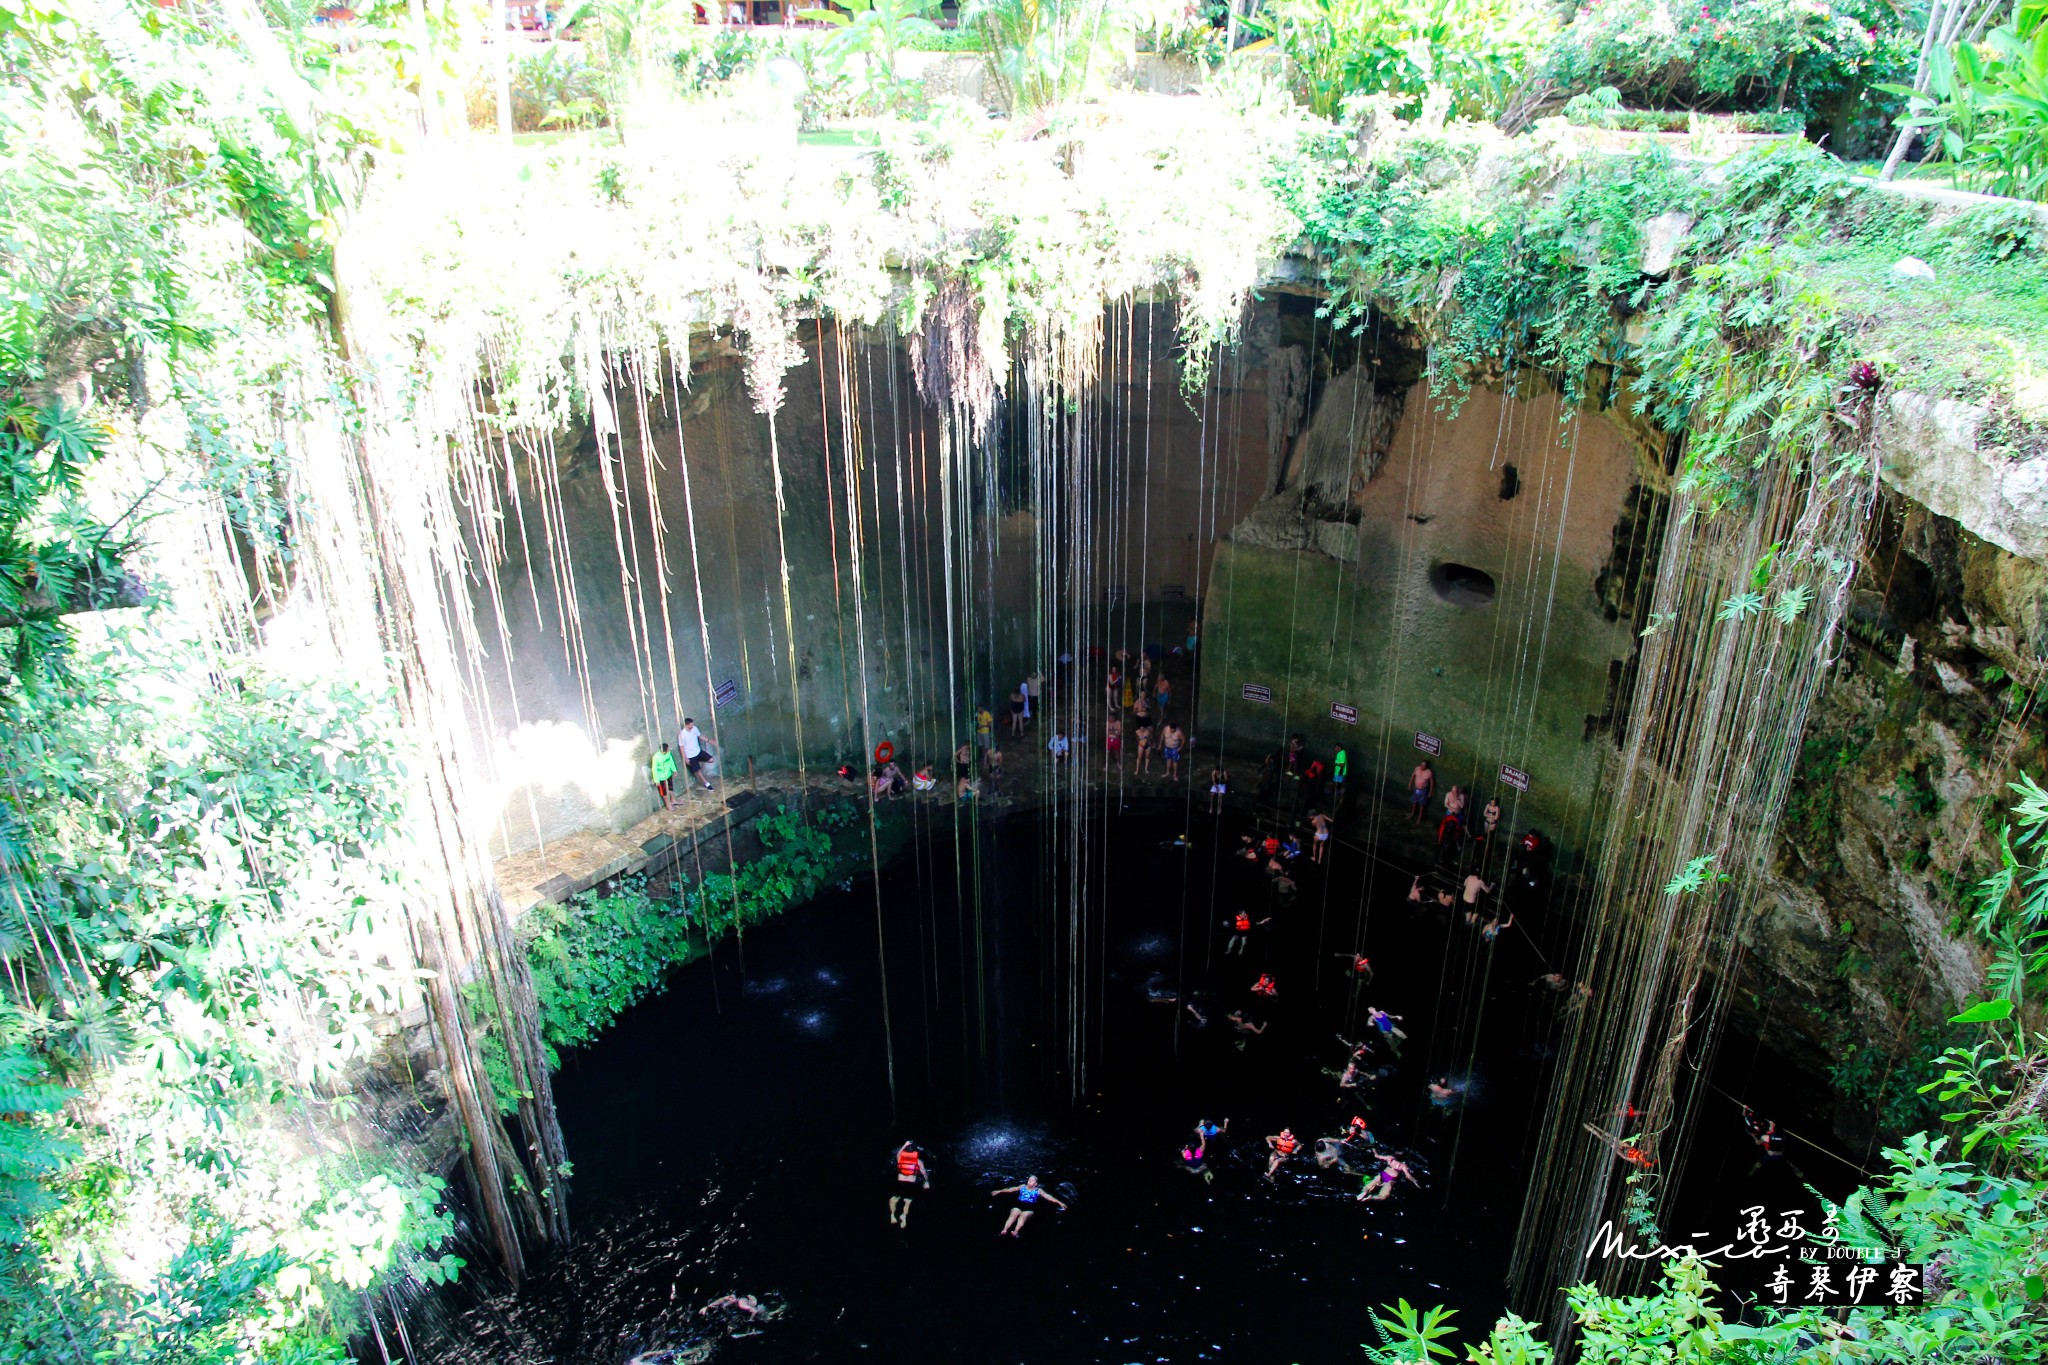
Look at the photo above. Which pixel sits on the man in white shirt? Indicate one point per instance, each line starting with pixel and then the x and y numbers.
pixel 691 741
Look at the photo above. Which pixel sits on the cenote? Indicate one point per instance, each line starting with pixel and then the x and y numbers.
pixel 627 631
pixel 735 1133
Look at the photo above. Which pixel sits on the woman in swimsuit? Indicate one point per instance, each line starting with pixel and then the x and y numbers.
pixel 1028 1194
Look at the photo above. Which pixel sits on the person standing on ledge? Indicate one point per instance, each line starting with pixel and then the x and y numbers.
pixel 661 770
pixel 1340 771
pixel 1170 741
pixel 1421 783
pixel 691 741
pixel 1028 1194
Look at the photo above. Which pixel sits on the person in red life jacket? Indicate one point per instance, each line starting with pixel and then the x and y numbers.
pixel 1241 925
pixel 1361 966
pixel 910 1177
pixel 1029 1195
pixel 1284 1145
pixel 1265 986
pixel 1270 846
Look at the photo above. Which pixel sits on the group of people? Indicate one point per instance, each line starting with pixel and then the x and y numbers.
pixel 911 1175
pixel 698 761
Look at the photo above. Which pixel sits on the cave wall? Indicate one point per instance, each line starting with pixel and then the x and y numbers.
pixel 1348 587
pixel 569 717
pixel 1861 951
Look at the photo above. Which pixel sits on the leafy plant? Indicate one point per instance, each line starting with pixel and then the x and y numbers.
pixel 1476 50
pixel 868 36
pixel 1985 104
pixel 1046 52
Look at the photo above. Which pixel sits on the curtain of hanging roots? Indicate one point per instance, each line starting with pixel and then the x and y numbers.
pixel 1716 716
pixel 385 544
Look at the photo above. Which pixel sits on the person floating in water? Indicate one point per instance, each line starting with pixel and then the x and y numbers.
pixel 1361 966
pixel 1241 925
pixel 1246 1027
pixel 911 1176
pixel 1195 1013
pixel 1283 1144
pixel 1194 1156
pixel 1389 1027
pixel 1444 1092
pixel 1490 930
pixel 1028 1194
pixel 1349 1145
pixel 1392 1168
pixel 1265 986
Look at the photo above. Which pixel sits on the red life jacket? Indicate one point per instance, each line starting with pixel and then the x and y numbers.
pixel 1285 1144
pixel 907 1162
pixel 1243 922
pixel 1272 846
pixel 1315 770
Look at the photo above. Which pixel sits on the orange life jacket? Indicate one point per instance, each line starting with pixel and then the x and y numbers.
pixel 1285 1144
pixel 907 1162
pixel 1243 922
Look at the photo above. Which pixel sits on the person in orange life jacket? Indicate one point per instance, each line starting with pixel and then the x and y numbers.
pixel 910 1176
pixel 1265 985
pixel 1028 1196
pixel 1241 925
pixel 1284 1144
pixel 1361 966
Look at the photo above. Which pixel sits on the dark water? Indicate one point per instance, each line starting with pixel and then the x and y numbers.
pixel 736 1134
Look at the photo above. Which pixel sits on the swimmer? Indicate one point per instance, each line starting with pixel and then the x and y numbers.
pixel 1170 739
pixel 1284 1145
pixel 1475 887
pixel 1219 785
pixel 1194 1160
pixel 1180 841
pixel 1206 1129
pixel 1389 1027
pixel 1443 1091
pixel 1415 891
pixel 1195 1013
pixel 909 1178
pixel 1554 982
pixel 1491 929
pixel 1246 1027
pixel 1322 824
pixel 1028 1194
pixel 1361 966
pixel 740 1303
pixel 1241 925
pixel 1378 1187
pixel 1265 986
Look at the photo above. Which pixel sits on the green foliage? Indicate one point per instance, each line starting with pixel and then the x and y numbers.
pixel 1986 105
pixel 32 1149
pixel 867 38
pixel 1047 52
pixel 1977 1213
pixel 1475 50
pixel 597 954
pixel 1602 108
pixel 552 87
pixel 55 557
pixel 1811 56
pixel 701 66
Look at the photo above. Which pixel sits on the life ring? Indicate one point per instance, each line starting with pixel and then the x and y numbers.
pixel 884 752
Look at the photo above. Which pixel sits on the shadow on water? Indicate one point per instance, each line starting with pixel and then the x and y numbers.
pixel 735 1134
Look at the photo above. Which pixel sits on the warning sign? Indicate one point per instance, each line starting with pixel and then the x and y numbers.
pixel 1262 695
pixel 1514 777
pixel 1343 714
pixel 1429 744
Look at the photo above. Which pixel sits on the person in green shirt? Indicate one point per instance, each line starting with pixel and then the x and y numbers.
pixel 662 769
pixel 1340 769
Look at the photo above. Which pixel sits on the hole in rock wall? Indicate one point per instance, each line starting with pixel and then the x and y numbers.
pixel 1462 585
pixel 1510 482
